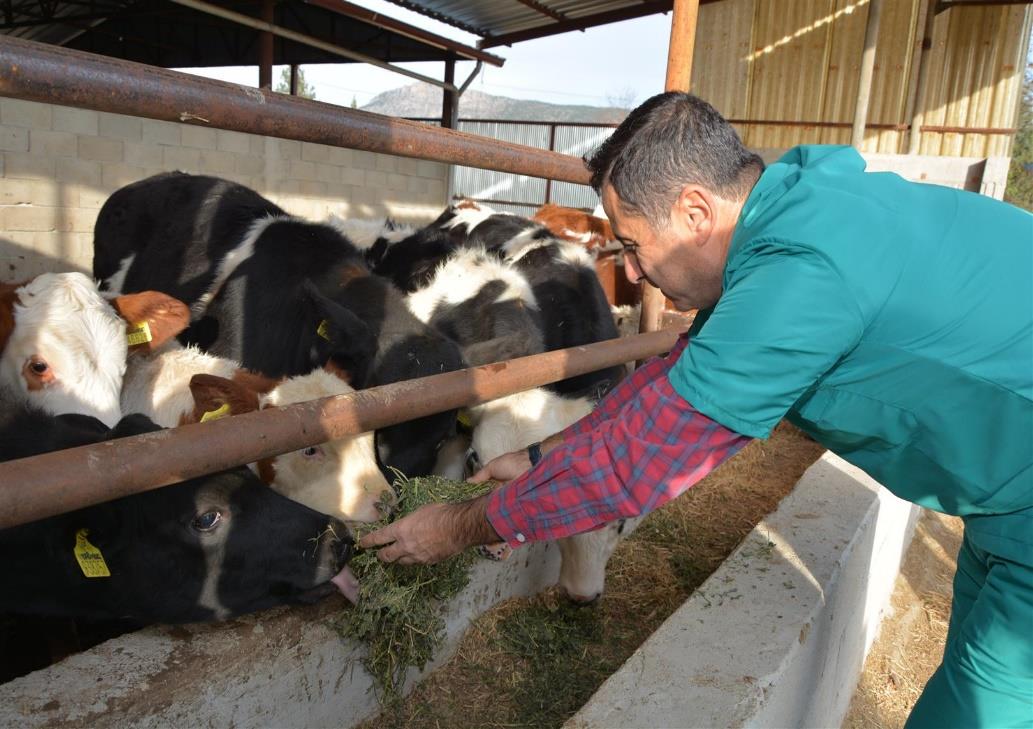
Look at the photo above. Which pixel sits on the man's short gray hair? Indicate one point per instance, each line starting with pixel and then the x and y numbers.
pixel 672 140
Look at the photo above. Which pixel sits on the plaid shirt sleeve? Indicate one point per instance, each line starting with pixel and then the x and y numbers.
pixel 625 391
pixel 652 448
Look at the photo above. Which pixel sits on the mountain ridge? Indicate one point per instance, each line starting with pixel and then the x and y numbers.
pixel 424 101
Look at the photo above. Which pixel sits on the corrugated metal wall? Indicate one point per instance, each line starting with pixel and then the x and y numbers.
pixel 774 60
pixel 531 191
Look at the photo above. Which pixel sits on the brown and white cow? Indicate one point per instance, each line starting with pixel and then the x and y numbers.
pixel 340 478
pixel 63 347
pixel 575 225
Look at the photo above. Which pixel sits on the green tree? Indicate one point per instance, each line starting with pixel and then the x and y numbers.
pixel 1019 190
pixel 284 84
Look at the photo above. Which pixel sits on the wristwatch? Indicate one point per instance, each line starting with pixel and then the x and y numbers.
pixel 534 452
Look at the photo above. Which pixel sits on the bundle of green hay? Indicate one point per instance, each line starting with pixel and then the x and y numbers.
pixel 400 610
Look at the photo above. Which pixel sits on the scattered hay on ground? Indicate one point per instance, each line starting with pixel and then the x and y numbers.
pixel 533 662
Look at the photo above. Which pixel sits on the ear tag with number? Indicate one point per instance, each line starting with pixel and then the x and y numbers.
pixel 90 560
pixel 323 330
pixel 220 412
pixel 139 333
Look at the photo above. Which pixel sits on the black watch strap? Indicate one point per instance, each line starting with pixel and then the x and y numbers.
pixel 534 452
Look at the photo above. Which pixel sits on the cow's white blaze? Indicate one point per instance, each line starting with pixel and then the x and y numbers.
pixel 340 478
pixel 114 283
pixel 240 253
pixel 62 320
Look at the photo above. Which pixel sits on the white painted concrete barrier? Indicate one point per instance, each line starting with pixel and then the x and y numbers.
pixel 281 668
pixel 777 636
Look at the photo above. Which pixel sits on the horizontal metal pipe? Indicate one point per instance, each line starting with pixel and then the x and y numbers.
pixel 53 483
pixel 55 75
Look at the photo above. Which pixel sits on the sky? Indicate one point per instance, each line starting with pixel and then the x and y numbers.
pixel 619 64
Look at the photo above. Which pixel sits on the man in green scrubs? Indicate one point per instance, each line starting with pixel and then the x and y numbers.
pixel 892 321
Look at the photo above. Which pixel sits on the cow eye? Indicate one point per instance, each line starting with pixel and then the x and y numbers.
pixel 207 521
pixel 38 366
pixel 311 451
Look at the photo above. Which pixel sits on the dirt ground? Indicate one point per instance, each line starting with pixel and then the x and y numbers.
pixel 532 663
pixel 910 643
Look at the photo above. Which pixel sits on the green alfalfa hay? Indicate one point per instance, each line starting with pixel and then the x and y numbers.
pixel 400 611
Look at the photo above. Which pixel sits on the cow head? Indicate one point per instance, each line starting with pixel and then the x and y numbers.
pixel 63 347
pixel 216 546
pixel 340 477
pixel 584 557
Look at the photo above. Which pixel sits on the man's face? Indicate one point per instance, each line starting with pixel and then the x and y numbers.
pixel 674 259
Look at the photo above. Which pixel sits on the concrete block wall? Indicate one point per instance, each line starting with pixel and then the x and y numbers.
pixel 59 164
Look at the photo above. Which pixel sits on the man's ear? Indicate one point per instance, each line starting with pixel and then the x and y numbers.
pixel 164 316
pixel 693 211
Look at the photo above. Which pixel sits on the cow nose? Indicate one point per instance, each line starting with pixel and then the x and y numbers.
pixel 343 549
pixel 582 600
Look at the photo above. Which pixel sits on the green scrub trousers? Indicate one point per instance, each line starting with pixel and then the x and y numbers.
pixel 893 322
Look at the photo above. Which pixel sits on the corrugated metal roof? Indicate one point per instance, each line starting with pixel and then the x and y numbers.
pixel 164 33
pixel 501 22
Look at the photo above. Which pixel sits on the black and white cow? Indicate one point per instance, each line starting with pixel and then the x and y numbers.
pixel 483 304
pixel 237 260
pixel 278 294
pixel 206 549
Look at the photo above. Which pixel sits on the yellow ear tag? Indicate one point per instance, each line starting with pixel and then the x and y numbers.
pixel 90 560
pixel 464 418
pixel 138 334
pixel 323 330
pixel 221 412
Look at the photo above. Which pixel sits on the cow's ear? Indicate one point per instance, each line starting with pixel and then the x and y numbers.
pixel 375 253
pixel 335 369
pixel 152 318
pixel 352 343
pixel 216 397
pixel 8 298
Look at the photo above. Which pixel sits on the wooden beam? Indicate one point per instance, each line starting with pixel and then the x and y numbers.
pixel 265 48
pixel 864 82
pixel 679 78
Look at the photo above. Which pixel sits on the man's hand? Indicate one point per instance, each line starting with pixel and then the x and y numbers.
pixel 433 532
pixel 503 468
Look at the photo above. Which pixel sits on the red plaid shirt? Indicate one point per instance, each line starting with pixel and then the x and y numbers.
pixel 641 447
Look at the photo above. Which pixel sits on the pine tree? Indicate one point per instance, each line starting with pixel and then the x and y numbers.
pixel 1019 190
pixel 284 84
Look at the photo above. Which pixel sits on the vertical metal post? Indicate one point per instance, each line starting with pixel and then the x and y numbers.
pixel 915 134
pixel 679 77
pixel 448 103
pixel 265 48
pixel 864 83
pixel 294 79
pixel 552 148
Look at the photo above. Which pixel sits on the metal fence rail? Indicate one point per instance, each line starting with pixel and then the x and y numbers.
pixel 53 483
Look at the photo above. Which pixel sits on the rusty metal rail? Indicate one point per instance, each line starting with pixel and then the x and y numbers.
pixel 62 481
pixel 54 75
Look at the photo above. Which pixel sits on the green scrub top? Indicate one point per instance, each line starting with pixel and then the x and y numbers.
pixel 893 322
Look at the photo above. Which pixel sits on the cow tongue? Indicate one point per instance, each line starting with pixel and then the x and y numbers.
pixel 348 584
